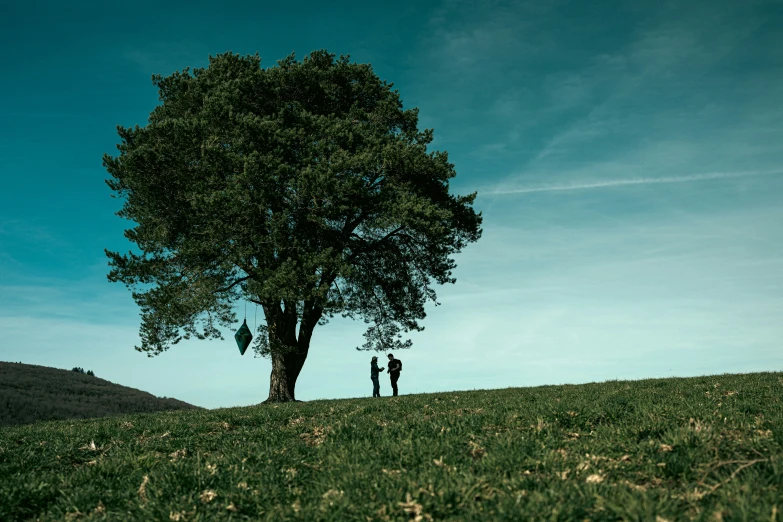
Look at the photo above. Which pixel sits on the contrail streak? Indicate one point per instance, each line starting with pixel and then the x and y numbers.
pixel 633 181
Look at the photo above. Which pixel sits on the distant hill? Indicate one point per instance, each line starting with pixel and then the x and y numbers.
pixel 30 393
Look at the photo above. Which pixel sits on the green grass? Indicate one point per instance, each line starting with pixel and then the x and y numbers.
pixel 706 448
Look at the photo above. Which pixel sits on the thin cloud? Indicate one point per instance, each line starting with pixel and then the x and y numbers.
pixel 587 130
pixel 632 181
pixel 690 47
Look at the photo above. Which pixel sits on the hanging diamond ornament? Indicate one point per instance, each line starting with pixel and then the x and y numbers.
pixel 243 337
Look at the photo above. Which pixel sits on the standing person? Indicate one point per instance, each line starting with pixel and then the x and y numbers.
pixel 374 371
pixel 395 367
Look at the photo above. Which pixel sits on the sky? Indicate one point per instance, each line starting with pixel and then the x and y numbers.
pixel 627 157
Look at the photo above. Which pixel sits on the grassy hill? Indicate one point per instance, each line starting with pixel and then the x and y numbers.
pixel 30 393
pixel 706 448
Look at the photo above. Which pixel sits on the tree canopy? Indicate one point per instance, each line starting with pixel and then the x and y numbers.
pixel 305 188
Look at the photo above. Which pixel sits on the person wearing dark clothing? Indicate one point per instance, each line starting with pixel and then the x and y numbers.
pixel 395 367
pixel 374 371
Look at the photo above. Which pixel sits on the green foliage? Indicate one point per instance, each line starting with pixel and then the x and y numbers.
pixel 304 187
pixel 31 394
pixel 671 449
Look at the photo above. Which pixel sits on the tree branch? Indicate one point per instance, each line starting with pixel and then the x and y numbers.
pixel 232 285
pixel 374 245
pixel 342 298
pixel 378 177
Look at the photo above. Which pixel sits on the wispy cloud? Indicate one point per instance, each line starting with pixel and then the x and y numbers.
pixel 650 90
pixel 669 55
pixel 588 129
pixel 632 181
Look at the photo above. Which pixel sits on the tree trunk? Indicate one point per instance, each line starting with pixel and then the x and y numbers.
pixel 288 352
pixel 285 371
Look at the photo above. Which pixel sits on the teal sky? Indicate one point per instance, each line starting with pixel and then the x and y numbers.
pixel 628 159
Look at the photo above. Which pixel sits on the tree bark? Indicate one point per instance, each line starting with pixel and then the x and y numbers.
pixel 288 352
pixel 285 371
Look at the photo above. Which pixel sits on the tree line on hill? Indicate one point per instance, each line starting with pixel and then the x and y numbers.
pixel 30 394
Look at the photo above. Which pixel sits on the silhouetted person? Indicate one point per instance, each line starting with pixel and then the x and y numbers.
pixel 374 371
pixel 395 367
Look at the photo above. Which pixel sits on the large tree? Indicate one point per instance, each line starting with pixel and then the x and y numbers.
pixel 304 188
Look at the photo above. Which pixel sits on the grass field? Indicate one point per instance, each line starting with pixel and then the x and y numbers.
pixel 706 448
